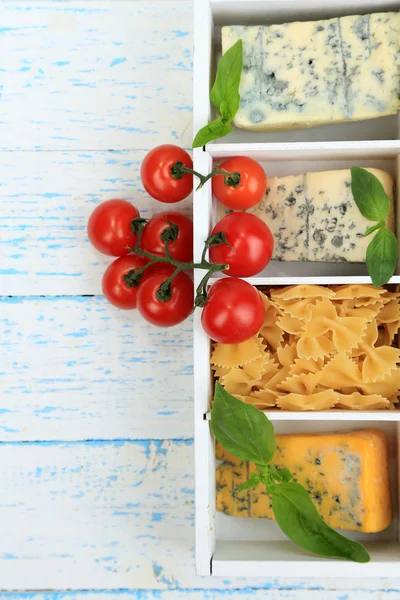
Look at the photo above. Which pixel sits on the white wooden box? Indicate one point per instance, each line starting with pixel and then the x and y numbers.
pixel 228 546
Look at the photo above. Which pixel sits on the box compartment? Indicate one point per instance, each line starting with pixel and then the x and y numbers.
pixel 299 161
pixel 212 15
pixel 233 548
pixel 258 546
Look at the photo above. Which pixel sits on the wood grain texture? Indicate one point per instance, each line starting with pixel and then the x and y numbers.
pixel 45 202
pixel 85 88
pixel 105 75
pixel 216 594
pixel 112 515
pixel 78 368
pixel 90 515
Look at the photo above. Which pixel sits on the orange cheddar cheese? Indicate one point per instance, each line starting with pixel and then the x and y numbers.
pixel 345 473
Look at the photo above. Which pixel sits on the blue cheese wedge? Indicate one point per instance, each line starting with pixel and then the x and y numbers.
pixel 345 473
pixel 304 74
pixel 314 217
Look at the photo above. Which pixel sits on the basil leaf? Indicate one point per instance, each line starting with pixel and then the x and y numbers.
pixel 212 131
pixel 225 91
pixel 380 225
pixel 223 111
pixel 381 257
pixel 298 518
pixel 369 195
pixel 250 483
pixel 285 475
pixel 242 429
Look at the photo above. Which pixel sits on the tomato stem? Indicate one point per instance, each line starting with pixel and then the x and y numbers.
pixel 232 179
pixel 201 291
pixel 164 292
pixel 178 170
pixel 133 277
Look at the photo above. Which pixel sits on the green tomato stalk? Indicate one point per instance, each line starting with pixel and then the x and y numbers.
pixel 170 234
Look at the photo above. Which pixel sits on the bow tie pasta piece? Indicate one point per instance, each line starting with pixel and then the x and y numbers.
pixel 346 308
pixel 340 371
pixel 237 381
pixel 301 384
pixel 272 371
pixel 276 379
pixel 298 292
pixel 306 365
pixel 357 401
pixel 247 399
pixel 235 355
pixel 319 401
pixel 361 293
pixel 220 371
pixel 264 398
pixel 390 312
pixel 369 337
pixel 270 330
pixel 299 309
pixel 388 386
pixel 378 362
pixel 290 325
pixel 315 348
pixel 260 366
pixel 272 334
pixel 287 354
pixel 346 331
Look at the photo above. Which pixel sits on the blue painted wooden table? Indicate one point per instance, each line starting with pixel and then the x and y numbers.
pixel 96 447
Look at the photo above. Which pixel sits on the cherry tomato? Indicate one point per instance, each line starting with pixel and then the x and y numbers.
pixel 180 249
pixel 234 311
pixel 114 287
pixel 251 244
pixel 109 227
pixel 173 311
pixel 157 178
pixel 250 189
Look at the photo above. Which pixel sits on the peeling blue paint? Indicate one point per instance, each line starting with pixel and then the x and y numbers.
pixel 118 61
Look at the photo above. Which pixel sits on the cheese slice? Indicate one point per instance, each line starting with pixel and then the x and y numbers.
pixel 314 217
pixel 303 74
pixel 346 475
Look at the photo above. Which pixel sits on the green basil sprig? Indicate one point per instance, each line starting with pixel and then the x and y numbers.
pixel 374 204
pixel 247 433
pixel 224 95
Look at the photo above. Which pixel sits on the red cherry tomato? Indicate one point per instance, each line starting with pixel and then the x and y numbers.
pixel 156 176
pixel 109 227
pixel 250 189
pixel 251 244
pixel 173 311
pixel 114 287
pixel 180 249
pixel 234 311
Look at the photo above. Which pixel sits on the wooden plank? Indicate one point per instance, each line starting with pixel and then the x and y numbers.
pixel 77 369
pixel 113 516
pixel 109 75
pixel 94 515
pixel 45 201
pixel 216 594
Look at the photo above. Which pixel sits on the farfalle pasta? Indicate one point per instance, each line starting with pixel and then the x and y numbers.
pixel 320 348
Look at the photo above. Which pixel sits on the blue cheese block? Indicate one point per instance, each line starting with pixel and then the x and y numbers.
pixel 284 209
pixel 336 226
pixel 314 217
pixel 311 73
